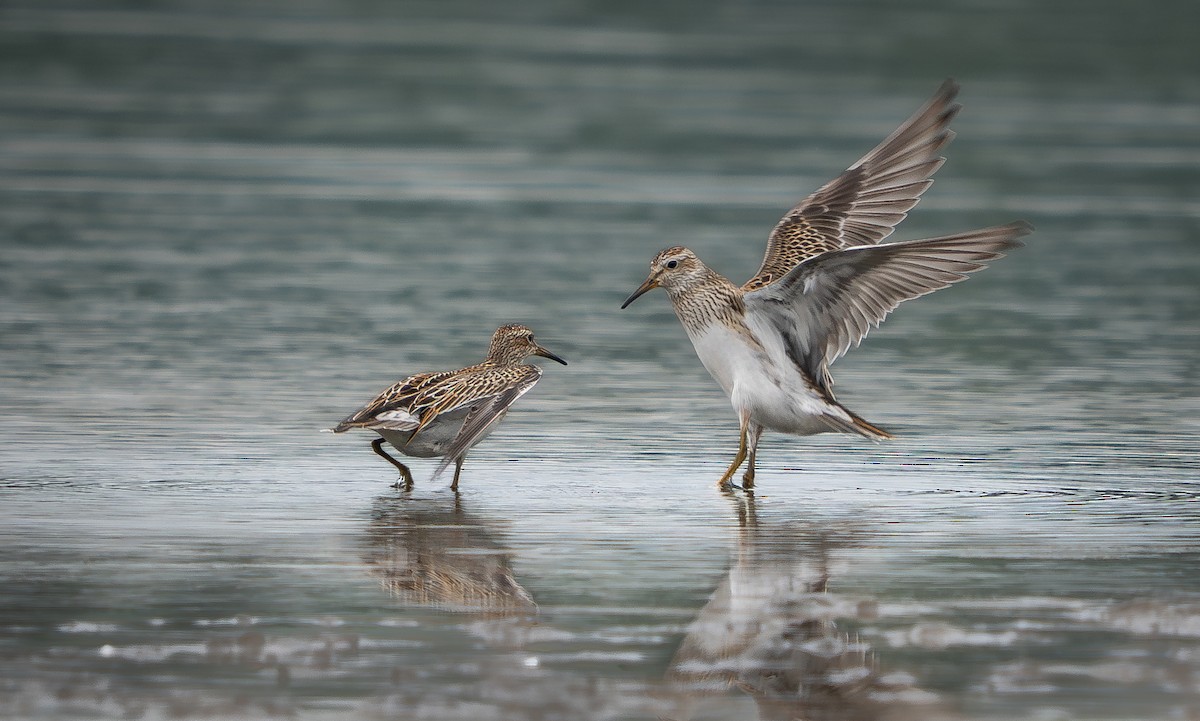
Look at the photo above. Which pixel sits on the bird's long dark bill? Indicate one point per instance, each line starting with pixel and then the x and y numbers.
pixel 650 284
pixel 547 354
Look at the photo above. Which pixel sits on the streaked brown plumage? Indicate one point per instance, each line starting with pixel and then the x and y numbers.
pixel 444 414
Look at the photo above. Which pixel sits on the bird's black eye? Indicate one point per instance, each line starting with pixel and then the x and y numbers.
pixel 672 264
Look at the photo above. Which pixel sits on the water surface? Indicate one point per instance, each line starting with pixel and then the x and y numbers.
pixel 224 226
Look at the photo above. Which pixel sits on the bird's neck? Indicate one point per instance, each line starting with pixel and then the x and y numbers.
pixel 707 300
pixel 501 359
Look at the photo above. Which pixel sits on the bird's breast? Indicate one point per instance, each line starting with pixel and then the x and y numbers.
pixel 733 356
pixel 752 366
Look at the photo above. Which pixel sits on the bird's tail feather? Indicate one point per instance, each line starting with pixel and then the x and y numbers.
pixel 857 425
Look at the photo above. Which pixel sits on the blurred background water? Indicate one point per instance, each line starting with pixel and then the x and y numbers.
pixel 225 225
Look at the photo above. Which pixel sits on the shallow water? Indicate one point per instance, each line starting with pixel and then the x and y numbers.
pixel 224 226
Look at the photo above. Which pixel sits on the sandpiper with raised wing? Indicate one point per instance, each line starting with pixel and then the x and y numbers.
pixel 825 281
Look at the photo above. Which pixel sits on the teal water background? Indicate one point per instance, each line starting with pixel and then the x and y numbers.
pixel 223 226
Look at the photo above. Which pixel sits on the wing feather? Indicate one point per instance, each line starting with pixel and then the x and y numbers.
pixel 865 203
pixel 383 411
pixel 467 389
pixel 415 402
pixel 827 304
pixel 487 414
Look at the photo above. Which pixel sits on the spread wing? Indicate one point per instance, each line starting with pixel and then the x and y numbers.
pixel 489 412
pixel 863 205
pixel 827 304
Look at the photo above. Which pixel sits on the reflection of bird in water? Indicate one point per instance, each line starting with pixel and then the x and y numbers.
pixel 430 552
pixel 768 630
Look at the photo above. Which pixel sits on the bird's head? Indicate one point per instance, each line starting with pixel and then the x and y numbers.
pixel 513 343
pixel 673 269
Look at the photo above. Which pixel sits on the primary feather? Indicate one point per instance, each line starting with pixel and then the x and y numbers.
pixel 863 205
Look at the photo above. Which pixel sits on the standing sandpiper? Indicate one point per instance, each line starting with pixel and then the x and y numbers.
pixel 825 282
pixel 445 414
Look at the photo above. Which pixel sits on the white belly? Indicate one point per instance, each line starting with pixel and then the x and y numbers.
pixel 435 438
pixel 763 381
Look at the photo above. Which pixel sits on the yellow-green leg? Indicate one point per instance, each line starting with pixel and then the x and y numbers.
pixel 741 454
pixel 755 433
